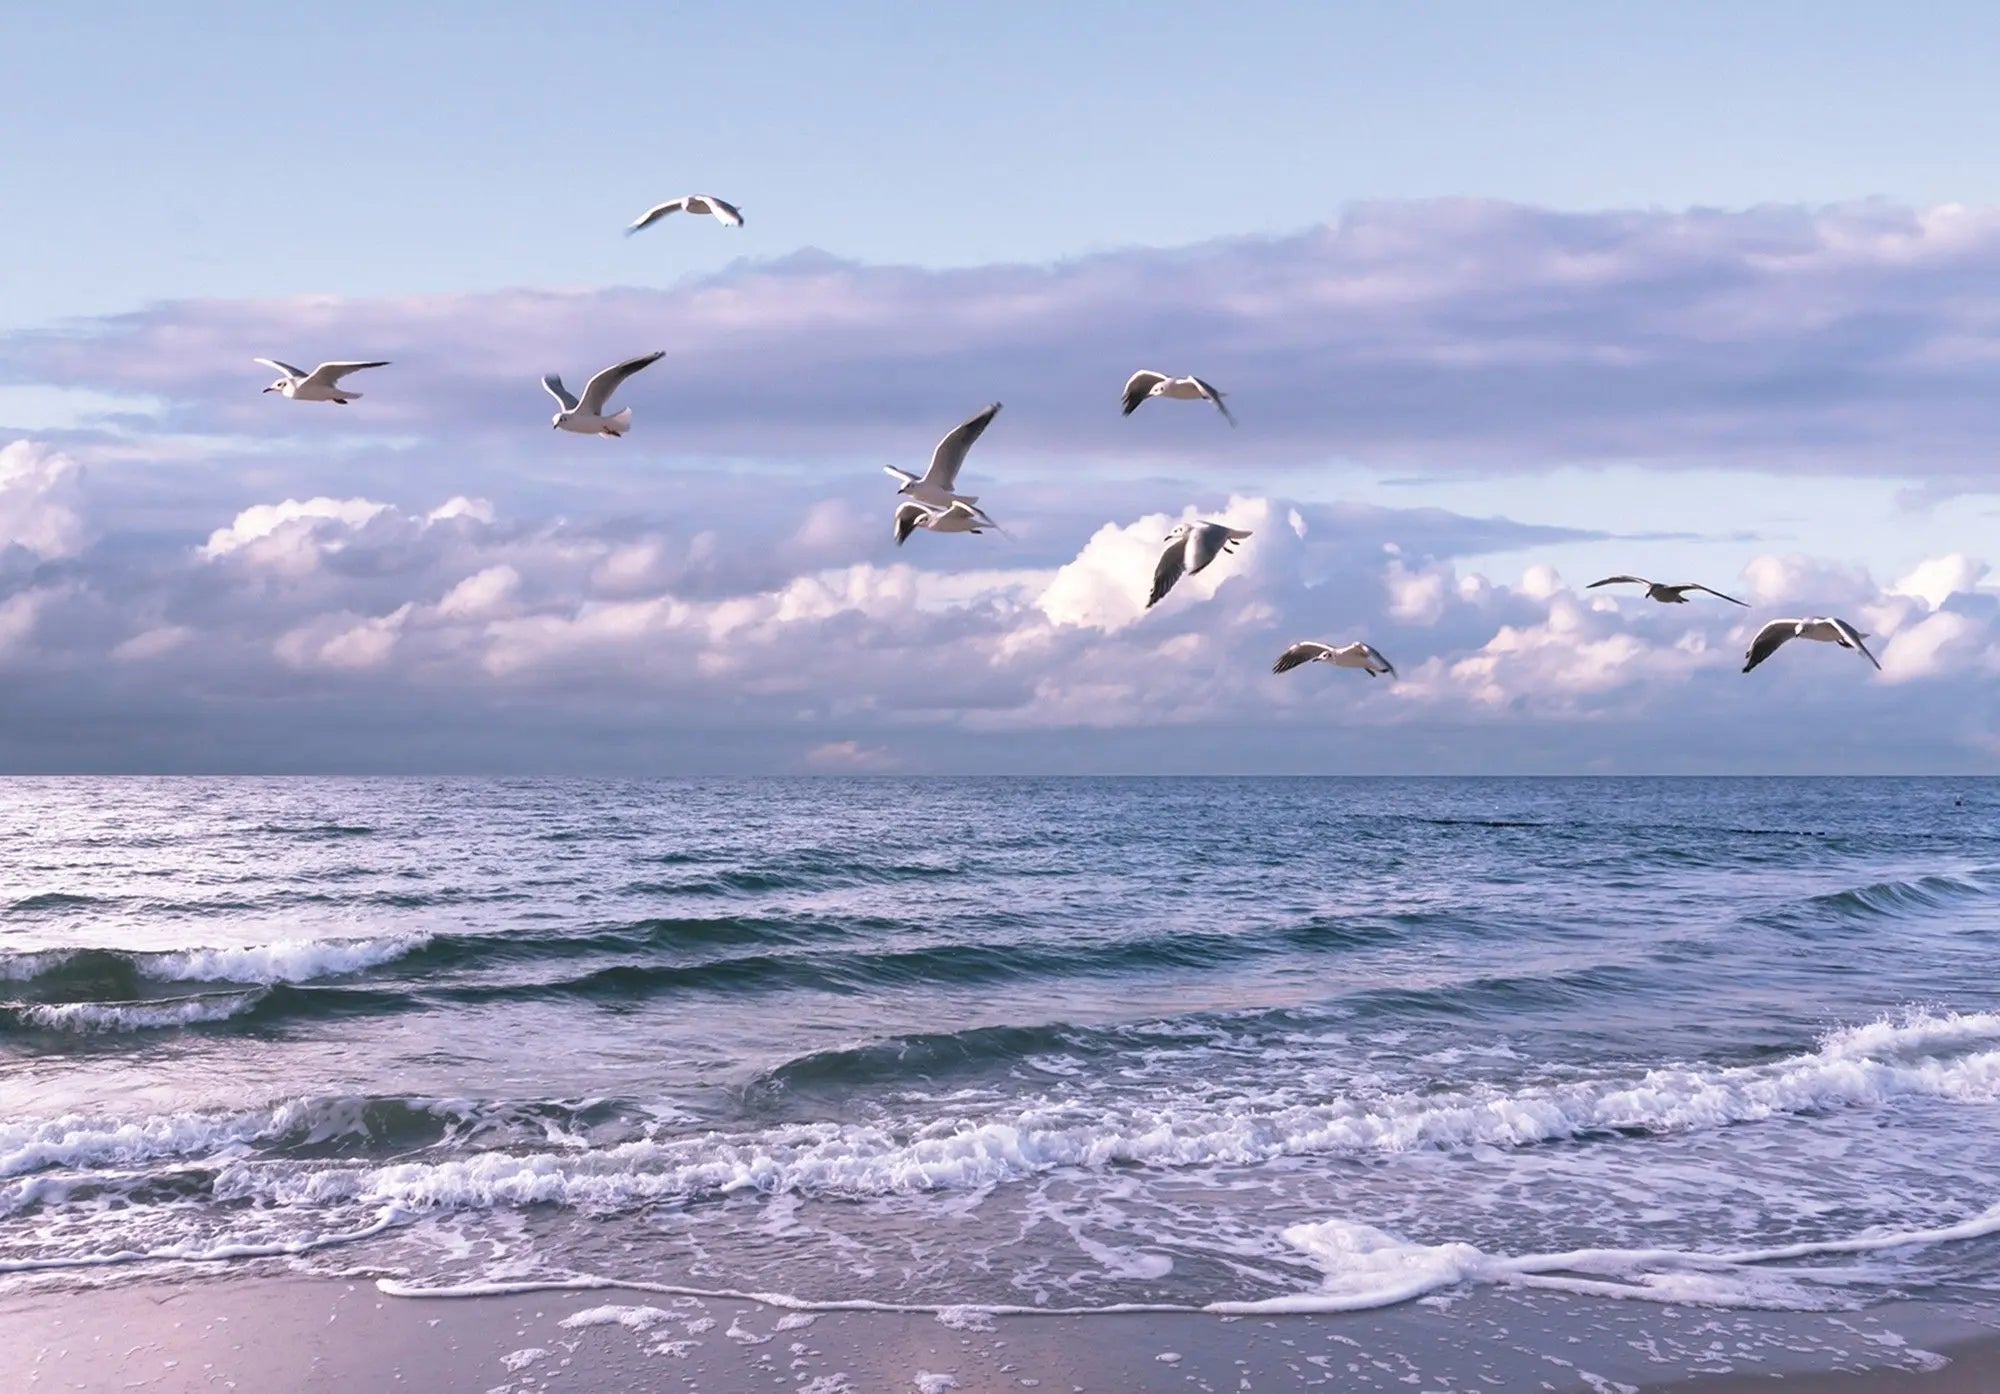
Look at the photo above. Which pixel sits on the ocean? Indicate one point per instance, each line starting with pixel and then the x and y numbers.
pixel 1237 1044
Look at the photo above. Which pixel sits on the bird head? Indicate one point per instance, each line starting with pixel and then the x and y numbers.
pixel 278 386
pixel 1178 534
pixel 555 422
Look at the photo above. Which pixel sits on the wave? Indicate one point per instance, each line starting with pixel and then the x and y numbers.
pixel 1862 906
pixel 53 900
pixel 156 1014
pixel 1951 1058
pixel 99 973
pixel 315 1127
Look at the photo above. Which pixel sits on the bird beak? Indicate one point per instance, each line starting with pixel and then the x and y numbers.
pixel 270 389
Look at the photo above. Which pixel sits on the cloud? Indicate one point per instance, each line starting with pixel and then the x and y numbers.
pixel 40 504
pixel 351 633
pixel 1437 337
pixel 851 757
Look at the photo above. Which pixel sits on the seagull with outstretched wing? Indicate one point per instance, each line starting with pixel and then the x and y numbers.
pixel 585 415
pixel 728 214
pixel 1355 655
pixel 938 485
pixel 1824 628
pixel 1666 595
pixel 1145 383
pixel 1190 548
pixel 322 384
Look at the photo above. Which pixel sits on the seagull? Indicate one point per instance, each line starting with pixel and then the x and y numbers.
pixel 1144 384
pixel 1666 595
pixel 938 482
pixel 586 416
pixel 728 214
pixel 1190 547
pixel 1824 628
pixel 960 516
pixel 1355 655
pixel 322 384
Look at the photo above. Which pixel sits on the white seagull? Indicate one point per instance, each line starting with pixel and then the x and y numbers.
pixel 1666 595
pixel 725 213
pixel 1354 655
pixel 1145 383
pixel 1190 547
pixel 1824 628
pixel 322 384
pixel 585 415
pixel 960 516
pixel 938 485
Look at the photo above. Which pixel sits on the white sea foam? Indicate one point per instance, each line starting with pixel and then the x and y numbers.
pixel 296 961
pixel 86 1141
pixel 1858 1068
pixel 135 1016
pixel 631 1318
pixel 223 1252
pixel 1364 1267
pixel 287 961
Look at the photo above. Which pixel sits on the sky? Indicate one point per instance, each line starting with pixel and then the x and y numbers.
pixel 1505 299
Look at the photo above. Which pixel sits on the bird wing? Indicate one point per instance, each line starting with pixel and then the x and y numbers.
pixel 278 363
pixel 1619 580
pixel 1305 651
pixel 908 515
pixel 727 213
pixel 327 374
pixel 598 390
pixel 1172 561
pixel 1138 387
pixel 1214 395
pixel 1204 545
pixel 552 385
pixel 1768 641
pixel 654 214
pixel 949 456
pixel 1709 590
pixel 970 508
pixel 1376 655
pixel 1852 638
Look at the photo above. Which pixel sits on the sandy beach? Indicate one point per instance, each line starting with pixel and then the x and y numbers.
pixel 309 1334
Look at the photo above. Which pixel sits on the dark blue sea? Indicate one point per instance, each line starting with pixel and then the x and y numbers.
pixel 1277 1043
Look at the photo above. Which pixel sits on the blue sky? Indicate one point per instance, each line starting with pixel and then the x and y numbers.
pixel 1742 197
pixel 366 148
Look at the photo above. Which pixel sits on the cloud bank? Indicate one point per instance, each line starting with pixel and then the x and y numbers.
pixel 1449 335
pixel 196 576
pixel 352 633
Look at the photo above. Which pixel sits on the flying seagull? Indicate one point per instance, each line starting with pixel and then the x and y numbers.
pixel 939 482
pixel 322 384
pixel 1190 547
pixel 1824 628
pixel 585 415
pixel 725 213
pixel 1355 655
pixel 1144 384
pixel 1666 595
pixel 960 516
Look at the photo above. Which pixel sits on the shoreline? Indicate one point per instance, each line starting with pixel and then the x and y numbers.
pixel 301 1334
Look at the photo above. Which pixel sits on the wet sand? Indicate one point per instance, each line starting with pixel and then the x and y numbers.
pixel 304 1335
